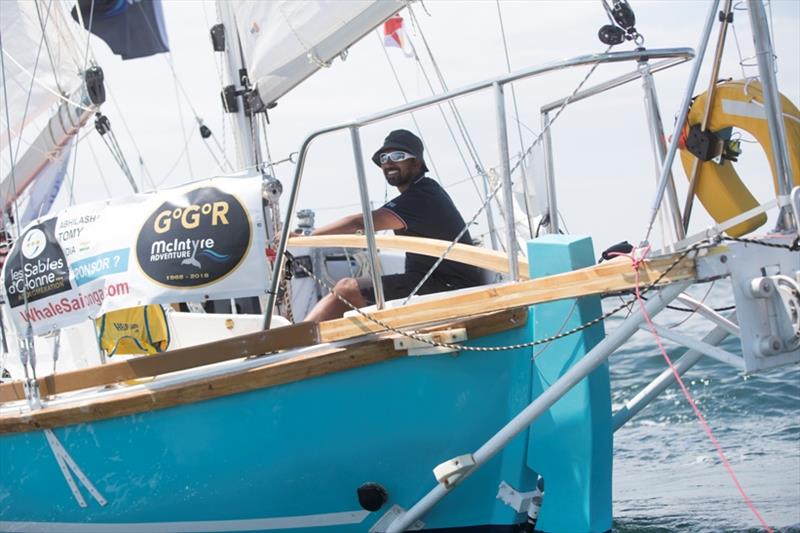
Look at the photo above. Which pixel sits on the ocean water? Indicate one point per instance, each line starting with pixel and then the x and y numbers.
pixel 667 473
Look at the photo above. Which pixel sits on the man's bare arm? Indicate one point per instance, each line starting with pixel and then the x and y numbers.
pixel 382 219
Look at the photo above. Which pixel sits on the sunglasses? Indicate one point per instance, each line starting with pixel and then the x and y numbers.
pixel 395 157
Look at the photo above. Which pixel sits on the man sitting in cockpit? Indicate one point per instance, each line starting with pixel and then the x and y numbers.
pixel 423 209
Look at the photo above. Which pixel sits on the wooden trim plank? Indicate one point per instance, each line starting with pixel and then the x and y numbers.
pixel 258 343
pixel 328 361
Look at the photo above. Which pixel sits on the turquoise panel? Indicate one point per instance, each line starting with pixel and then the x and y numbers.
pixel 294 450
pixel 570 444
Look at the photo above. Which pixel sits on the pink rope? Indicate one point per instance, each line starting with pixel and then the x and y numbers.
pixel 636 262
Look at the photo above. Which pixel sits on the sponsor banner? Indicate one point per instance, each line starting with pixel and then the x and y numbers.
pixel 200 241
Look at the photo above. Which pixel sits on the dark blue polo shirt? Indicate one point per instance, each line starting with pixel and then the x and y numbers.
pixel 427 211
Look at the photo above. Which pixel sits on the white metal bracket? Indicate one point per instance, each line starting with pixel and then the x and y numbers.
pixel 764 280
pixel 419 347
pixel 783 293
pixel 195 307
pixel 449 472
pixel 519 501
pixel 391 515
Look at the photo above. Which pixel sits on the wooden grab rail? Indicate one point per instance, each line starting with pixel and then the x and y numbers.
pixel 462 253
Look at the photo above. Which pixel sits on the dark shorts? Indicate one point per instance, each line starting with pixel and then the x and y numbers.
pixel 396 286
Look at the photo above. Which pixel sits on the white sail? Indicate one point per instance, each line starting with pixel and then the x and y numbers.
pixel 285 41
pixel 39 65
pixel 43 192
pixel 45 150
pixel 42 71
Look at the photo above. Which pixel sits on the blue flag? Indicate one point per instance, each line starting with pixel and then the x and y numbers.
pixel 131 28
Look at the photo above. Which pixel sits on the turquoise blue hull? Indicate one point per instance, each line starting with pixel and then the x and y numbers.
pixel 287 454
pixel 291 457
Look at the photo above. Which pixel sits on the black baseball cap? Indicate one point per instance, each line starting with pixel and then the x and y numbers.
pixel 401 140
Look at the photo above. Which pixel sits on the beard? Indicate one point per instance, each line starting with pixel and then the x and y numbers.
pixel 395 177
pixel 399 178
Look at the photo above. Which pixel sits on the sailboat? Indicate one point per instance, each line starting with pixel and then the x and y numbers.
pixel 429 413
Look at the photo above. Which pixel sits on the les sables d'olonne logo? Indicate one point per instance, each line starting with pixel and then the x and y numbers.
pixel 195 240
pixel 41 271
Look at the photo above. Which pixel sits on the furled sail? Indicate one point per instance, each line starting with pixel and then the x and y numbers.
pixel 39 66
pixel 42 67
pixel 285 41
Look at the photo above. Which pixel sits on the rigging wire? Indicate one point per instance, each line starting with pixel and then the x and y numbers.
pixel 43 85
pixel 523 172
pixel 183 153
pixel 86 55
pixel 14 154
pixel 144 171
pixel 456 113
pixel 27 351
pixel 405 99
pixel 99 169
pixel 103 127
pixel 47 45
pixel 27 100
pixel 449 127
pixel 180 116
pixel 218 66
pixel 182 90
pixel 88 32
pixel 496 243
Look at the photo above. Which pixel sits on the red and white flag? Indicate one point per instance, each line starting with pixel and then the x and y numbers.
pixel 394 35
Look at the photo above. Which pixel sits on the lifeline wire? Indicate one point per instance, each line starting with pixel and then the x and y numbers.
pixel 387 327
pixel 499 184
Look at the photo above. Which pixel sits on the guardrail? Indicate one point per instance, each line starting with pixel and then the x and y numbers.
pixel 676 55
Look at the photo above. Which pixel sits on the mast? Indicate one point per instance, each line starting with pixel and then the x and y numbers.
pixel 225 38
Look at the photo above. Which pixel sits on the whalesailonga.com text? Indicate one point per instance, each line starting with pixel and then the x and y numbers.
pixel 70 304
